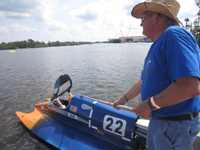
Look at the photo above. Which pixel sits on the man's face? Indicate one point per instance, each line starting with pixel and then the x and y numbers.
pixel 146 22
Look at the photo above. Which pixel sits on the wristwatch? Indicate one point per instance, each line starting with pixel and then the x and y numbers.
pixel 150 105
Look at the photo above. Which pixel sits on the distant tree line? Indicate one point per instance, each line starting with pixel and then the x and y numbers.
pixel 34 44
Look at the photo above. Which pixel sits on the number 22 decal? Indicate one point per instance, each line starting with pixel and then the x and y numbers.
pixel 114 125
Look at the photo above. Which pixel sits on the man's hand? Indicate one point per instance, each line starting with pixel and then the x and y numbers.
pixel 143 110
pixel 120 101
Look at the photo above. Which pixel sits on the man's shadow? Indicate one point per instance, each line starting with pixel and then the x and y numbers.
pixel 196 144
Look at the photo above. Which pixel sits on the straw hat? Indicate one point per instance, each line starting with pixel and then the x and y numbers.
pixel 169 8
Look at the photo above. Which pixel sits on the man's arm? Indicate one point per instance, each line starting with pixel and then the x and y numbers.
pixel 180 90
pixel 133 92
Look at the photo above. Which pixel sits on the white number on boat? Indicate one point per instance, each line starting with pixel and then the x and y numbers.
pixel 114 125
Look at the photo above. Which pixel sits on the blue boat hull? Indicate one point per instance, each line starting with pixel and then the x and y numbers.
pixel 84 124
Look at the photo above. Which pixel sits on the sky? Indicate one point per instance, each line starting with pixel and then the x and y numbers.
pixel 74 20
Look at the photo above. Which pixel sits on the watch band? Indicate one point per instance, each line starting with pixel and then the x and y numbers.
pixel 153 103
pixel 150 104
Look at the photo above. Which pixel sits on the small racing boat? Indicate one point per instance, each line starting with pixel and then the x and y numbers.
pixel 82 123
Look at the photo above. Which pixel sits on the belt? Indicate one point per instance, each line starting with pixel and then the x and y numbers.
pixel 181 117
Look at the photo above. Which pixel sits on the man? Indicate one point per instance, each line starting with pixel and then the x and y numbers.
pixel 169 83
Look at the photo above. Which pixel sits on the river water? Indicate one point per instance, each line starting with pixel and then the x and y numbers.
pixel 27 77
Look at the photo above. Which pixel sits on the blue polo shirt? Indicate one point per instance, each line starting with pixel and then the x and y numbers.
pixel 175 54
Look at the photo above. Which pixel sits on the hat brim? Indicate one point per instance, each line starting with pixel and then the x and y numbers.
pixel 139 10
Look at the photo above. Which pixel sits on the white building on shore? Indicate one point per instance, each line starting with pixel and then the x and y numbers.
pixel 125 39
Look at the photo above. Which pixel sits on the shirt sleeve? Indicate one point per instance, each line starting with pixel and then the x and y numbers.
pixel 182 55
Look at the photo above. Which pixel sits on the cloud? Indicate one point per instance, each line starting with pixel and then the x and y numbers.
pixel 49 7
pixel 188 9
pixel 17 32
pixel 19 6
pixel 106 13
pixel 24 9
pixel 103 19
pixel 16 28
pixel 86 12
pixel 4 29
pixel 87 16
pixel 36 9
pixel 128 8
pixel 13 15
pixel 19 9
pixel 54 25
pixel 74 20
pixel 109 18
pixel 65 8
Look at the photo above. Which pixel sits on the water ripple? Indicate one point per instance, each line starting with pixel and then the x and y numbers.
pixel 100 71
